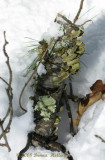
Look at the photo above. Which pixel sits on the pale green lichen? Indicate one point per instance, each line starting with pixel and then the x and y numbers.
pixel 47 106
pixel 67 49
pixel 73 62
pixel 57 120
pixel 75 68
pixel 75 33
pixel 62 76
pixel 70 57
pixel 47 100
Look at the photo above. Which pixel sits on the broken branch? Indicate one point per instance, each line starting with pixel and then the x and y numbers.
pixel 100 138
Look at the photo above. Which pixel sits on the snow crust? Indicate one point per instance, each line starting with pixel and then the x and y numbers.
pixel 24 18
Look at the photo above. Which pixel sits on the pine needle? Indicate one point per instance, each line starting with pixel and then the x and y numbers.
pixel 31 67
pixel 87 12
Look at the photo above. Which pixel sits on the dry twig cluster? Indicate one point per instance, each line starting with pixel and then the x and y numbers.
pixel 10 97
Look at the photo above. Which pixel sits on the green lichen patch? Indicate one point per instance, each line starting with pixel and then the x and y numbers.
pixel 47 100
pixel 69 58
pixel 46 106
pixel 75 33
pixel 61 77
pixel 62 58
pixel 73 62
pixel 57 120
pixel 75 68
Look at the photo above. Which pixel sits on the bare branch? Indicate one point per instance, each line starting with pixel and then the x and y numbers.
pixel 6 114
pixel 3 145
pixel 4 80
pixel 8 64
pixel 79 11
pixel 10 97
pixel 100 138
pixel 63 17
pixel 9 89
pixel 86 22
pixel 69 113
pixel 5 137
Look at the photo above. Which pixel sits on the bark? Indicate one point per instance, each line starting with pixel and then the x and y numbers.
pixel 62 59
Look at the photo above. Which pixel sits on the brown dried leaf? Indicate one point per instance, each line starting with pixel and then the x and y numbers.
pixel 97 86
pixel 98 91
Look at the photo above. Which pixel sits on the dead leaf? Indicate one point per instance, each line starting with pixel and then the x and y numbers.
pixel 98 91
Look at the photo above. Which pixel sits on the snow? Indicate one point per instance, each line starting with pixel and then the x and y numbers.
pixel 85 144
pixel 41 69
pixel 32 19
pixel 54 30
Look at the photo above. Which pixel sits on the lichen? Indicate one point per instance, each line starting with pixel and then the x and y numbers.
pixel 63 55
pixel 57 120
pixel 46 106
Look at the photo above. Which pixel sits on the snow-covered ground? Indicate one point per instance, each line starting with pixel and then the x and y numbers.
pixel 31 18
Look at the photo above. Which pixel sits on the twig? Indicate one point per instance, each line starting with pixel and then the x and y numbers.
pixel 63 17
pixel 69 113
pixel 79 11
pixel 100 138
pixel 10 111
pixel 21 153
pixel 10 97
pixel 4 80
pixel 87 12
pixel 5 137
pixel 31 78
pixel 71 89
pixel 6 115
pixel 3 145
pixel 72 96
pixel 86 22
pixel 7 62
pixel 9 89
